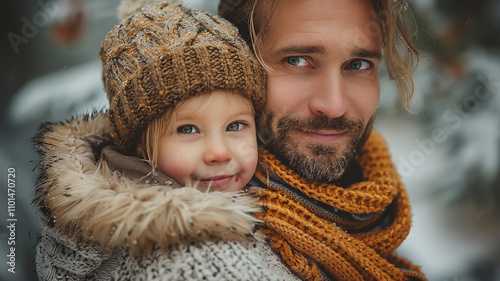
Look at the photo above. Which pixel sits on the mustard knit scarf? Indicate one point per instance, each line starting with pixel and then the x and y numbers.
pixel 349 233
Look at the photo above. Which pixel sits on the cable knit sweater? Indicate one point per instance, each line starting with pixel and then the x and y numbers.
pixel 101 224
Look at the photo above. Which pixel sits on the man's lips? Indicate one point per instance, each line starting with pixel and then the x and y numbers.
pixel 324 135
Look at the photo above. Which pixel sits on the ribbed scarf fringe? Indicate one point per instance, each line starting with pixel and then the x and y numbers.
pixel 310 239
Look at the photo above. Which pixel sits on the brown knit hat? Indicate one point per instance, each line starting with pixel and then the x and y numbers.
pixel 162 55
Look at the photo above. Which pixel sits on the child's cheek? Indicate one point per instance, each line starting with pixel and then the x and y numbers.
pixel 173 162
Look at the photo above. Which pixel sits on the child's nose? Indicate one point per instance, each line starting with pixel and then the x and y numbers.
pixel 216 152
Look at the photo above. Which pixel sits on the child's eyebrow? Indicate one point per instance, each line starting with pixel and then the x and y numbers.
pixel 245 113
pixel 195 116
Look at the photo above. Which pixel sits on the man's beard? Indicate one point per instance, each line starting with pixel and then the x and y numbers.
pixel 323 162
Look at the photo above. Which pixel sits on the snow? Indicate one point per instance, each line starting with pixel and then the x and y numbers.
pixel 60 95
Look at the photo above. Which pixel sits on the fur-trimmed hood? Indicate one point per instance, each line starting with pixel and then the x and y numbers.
pixel 79 195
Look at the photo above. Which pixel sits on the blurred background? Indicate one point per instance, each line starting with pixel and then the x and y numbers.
pixel 447 150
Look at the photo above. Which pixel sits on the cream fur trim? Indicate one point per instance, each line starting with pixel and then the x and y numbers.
pixel 81 197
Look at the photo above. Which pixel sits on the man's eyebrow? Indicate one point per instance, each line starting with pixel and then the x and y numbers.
pixel 318 49
pixel 365 53
pixel 295 49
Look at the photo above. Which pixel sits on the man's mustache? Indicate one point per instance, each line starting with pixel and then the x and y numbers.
pixel 316 123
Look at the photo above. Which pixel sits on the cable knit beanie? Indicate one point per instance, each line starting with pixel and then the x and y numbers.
pixel 161 55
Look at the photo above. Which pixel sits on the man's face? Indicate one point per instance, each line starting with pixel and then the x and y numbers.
pixel 323 87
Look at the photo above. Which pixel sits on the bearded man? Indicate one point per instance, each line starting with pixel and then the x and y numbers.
pixel 335 207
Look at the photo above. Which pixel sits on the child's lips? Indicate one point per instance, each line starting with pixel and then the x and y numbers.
pixel 216 181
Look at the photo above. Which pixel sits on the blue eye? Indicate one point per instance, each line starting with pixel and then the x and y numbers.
pixel 235 126
pixel 359 64
pixel 296 61
pixel 187 129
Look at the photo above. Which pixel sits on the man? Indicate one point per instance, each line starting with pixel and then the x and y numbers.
pixel 335 205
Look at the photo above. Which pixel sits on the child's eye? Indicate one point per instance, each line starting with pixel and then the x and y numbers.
pixel 235 126
pixel 187 129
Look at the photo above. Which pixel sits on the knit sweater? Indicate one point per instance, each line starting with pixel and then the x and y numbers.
pixel 102 223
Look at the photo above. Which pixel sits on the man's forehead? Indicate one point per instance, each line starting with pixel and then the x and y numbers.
pixel 315 30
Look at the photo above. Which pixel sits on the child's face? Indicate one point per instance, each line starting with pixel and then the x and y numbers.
pixel 211 143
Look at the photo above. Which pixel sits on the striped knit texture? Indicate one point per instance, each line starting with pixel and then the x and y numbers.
pixel 162 55
pixel 309 240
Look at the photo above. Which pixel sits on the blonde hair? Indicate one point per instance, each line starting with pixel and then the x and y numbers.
pixel 401 55
pixel 147 148
pixel 149 140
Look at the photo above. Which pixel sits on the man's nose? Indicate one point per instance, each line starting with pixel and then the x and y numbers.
pixel 330 95
pixel 216 151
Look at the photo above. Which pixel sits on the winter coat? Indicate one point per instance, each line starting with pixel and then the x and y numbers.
pixel 100 223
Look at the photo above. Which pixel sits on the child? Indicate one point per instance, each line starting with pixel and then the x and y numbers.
pixel 182 88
